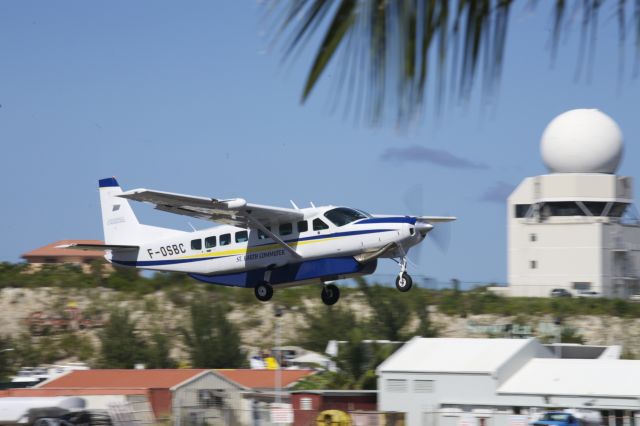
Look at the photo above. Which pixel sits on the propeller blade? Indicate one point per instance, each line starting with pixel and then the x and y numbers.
pixel 414 202
pixel 414 199
pixel 441 235
pixel 414 254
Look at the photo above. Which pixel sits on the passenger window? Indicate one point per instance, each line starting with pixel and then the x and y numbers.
pixel 286 229
pixel 319 225
pixel 209 242
pixel 225 239
pixel 262 235
pixel 196 244
pixel 242 237
pixel 303 226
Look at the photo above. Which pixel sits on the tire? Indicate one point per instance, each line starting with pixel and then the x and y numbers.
pixel 405 283
pixel 330 294
pixel 263 292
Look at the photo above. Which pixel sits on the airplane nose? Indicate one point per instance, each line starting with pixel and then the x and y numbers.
pixel 423 228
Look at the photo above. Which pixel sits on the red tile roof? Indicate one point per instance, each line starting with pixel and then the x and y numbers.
pixel 263 379
pixel 50 250
pixel 38 392
pixel 140 379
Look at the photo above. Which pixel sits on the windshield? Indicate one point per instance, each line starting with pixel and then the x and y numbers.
pixel 557 417
pixel 342 216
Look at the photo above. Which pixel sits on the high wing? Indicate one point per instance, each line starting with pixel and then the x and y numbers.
pixel 234 211
pixel 436 219
pixel 428 219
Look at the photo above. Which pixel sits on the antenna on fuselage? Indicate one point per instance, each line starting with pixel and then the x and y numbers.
pixel 294 205
pixel 192 227
pixel 312 205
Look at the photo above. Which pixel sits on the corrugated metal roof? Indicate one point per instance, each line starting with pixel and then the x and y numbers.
pixel 452 355
pixel 263 379
pixel 142 379
pixel 592 377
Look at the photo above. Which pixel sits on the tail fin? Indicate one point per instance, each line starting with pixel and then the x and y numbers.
pixel 119 222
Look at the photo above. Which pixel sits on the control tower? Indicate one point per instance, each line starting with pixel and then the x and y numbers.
pixel 576 227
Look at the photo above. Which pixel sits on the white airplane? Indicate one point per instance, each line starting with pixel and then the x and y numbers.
pixel 257 246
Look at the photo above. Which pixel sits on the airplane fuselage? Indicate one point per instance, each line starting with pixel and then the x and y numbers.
pixel 228 249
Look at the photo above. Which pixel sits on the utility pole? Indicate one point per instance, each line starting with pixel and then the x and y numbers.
pixel 558 323
pixel 279 311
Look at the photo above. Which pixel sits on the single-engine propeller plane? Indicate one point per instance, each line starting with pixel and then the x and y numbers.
pixel 257 246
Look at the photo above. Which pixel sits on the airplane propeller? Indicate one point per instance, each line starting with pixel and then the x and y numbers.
pixel 440 233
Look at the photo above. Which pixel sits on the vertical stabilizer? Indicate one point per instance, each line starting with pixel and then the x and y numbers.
pixel 118 219
pixel 119 223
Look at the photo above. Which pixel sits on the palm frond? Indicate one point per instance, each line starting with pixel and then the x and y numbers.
pixel 386 51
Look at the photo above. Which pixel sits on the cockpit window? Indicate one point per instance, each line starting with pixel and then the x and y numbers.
pixel 342 216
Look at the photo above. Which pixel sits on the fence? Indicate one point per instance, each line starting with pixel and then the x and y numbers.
pixel 264 417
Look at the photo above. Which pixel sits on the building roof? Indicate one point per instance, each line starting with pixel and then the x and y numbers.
pixel 50 250
pixel 576 377
pixel 121 379
pixel 449 355
pixel 263 379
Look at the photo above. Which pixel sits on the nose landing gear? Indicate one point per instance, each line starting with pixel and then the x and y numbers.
pixel 403 281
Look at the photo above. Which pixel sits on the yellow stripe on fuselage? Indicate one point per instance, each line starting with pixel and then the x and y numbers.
pixel 258 249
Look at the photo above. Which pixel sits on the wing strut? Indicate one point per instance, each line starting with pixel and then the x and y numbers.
pixel 275 238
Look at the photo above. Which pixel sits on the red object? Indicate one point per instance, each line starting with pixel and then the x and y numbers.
pixel 307 405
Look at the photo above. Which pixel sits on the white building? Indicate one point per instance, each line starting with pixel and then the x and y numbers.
pixel 503 381
pixel 574 228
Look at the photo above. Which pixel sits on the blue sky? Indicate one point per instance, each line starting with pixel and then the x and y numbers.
pixel 191 98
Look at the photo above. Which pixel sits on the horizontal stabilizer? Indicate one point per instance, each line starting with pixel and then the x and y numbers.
pixel 98 247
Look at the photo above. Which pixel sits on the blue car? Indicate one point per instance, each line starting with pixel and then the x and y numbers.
pixel 557 418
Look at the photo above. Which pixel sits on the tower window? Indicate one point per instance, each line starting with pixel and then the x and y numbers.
pixel 533 238
pixel 533 264
pixel 521 210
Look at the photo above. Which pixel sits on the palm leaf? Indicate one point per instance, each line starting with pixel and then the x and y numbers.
pixel 385 50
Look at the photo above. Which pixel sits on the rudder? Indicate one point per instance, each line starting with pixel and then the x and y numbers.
pixel 119 222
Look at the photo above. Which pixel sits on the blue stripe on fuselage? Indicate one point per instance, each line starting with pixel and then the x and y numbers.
pixel 396 219
pixel 177 261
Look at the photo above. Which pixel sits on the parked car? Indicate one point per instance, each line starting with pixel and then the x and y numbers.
pixel 560 292
pixel 588 293
pixel 635 298
pixel 557 418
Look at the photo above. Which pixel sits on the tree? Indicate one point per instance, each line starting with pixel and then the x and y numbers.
pixel 402 43
pixel 6 358
pixel 213 341
pixel 122 347
pixel 391 311
pixel 326 323
pixel 425 326
pixel 158 351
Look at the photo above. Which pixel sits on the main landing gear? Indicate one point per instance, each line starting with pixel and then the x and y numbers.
pixel 263 292
pixel 403 281
pixel 330 294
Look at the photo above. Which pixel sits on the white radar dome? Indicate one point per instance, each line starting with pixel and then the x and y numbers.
pixel 582 141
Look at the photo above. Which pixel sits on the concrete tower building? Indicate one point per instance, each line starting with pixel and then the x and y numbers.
pixel 575 228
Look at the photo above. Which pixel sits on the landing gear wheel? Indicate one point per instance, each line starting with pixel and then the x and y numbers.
pixel 263 292
pixel 404 282
pixel 330 294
